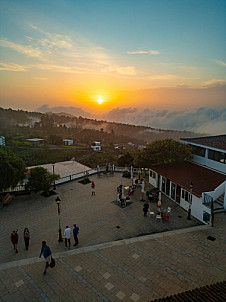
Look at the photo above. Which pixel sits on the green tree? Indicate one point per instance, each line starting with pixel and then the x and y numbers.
pixel 125 160
pixel 55 140
pixel 162 152
pixel 40 180
pixel 12 169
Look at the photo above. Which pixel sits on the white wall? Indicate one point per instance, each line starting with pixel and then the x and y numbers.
pixel 205 161
pixel 216 165
pixel 199 159
pixel 220 190
pixel 153 181
pixel 197 207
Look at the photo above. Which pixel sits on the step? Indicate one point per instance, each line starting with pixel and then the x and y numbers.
pixel 219 210
pixel 221 203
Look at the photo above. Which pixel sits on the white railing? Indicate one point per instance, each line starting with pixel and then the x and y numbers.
pixel 220 190
pixel 79 175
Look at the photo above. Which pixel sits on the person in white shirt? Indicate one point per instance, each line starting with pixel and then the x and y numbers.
pixel 67 236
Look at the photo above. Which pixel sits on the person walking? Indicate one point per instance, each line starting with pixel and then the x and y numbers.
pixel 67 236
pixel 93 188
pixel 14 239
pixel 75 234
pixel 145 208
pixel 46 251
pixel 26 238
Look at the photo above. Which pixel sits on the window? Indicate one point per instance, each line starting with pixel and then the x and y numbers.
pixel 152 174
pixel 206 217
pixel 198 151
pixel 217 156
pixel 167 187
pixel 186 195
pixel 163 184
pixel 173 191
pixel 183 194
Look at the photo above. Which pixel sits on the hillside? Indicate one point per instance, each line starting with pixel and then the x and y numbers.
pixel 142 134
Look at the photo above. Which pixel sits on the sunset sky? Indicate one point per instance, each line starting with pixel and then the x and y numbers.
pixel 99 55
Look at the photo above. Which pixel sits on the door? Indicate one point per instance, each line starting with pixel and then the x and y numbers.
pixel 178 192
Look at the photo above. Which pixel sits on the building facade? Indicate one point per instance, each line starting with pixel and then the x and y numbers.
pixel 209 151
pixel 37 141
pixel 200 183
pixel 96 146
pixel 68 142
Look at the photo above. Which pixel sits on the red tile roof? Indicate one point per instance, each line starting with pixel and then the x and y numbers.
pixel 218 141
pixel 182 174
pixel 214 292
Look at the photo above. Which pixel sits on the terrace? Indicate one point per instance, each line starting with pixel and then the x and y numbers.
pixel 99 218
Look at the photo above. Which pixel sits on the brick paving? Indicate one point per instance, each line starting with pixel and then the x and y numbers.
pixel 140 261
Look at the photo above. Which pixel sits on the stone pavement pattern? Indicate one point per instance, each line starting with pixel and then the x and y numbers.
pixel 136 269
pixel 97 217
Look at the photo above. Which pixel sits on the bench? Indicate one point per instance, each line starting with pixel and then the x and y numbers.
pixel 7 199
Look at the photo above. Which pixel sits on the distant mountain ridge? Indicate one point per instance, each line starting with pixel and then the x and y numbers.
pixel 10 117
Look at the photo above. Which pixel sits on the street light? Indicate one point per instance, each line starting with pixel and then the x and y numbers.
pixel 58 200
pixel 54 183
pixel 190 201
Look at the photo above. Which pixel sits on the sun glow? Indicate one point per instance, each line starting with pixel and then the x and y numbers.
pixel 100 101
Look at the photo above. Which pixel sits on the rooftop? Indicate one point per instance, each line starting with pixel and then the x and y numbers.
pixel 213 292
pixel 203 179
pixel 35 139
pixel 218 141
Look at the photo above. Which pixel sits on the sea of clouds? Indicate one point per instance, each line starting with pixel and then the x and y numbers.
pixel 204 120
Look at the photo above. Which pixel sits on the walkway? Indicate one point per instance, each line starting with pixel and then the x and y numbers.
pixel 134 269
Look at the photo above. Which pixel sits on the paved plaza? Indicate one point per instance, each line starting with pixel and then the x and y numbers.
pixel 122 256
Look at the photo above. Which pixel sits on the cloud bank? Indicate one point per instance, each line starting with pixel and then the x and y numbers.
pixel 202 120
pixel 206 120
pixel 59 109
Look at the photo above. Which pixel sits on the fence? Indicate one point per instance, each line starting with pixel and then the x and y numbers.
pixel 80 175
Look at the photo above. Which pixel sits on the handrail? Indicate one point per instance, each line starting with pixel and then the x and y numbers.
pixel 207 198
pixel 76 176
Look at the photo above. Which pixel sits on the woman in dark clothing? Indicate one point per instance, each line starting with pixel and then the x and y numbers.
pixel 145 208
pixel 14 240
pixel 26 237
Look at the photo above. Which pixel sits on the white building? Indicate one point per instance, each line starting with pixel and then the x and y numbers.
pixel 206 172
pixel 38 141
pixel 96 146
pixel 209 151
pixel 2 141
pixel 68 142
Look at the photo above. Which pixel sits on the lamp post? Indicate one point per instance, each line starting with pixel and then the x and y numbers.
pixel 58 200
pixel 54 183
pixel 190 201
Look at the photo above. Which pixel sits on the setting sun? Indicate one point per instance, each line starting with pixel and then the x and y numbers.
pixel 99 101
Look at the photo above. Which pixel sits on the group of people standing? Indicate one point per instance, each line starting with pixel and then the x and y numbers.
pixel 67 235
pixel 15 237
